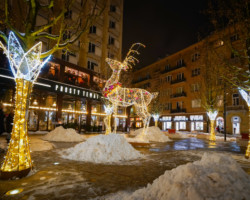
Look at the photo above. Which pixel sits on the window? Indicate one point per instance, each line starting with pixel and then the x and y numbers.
pixel 91 65
pixel 147 85
pixel 180 63
pixel 234 37
pixel 179 105
pixel 219 100
pixel 168 106
pixel 66 35
pixel 196 103
pixel 110 55
pixel 196 72
pixel 236 100
pixel 111 40
pixel 68 14
pixel 92 29
pixel 180 76
pixel 91 48
pixel 65 55
pixel 111 24
pixel 112 8
pixel 179 90
pixel 167 67
pixel 169 79
pixel 218 43
pixel 195 87
pixel 195 57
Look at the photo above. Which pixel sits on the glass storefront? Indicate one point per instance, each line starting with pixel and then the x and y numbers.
pixel 196 122
pixel 180 122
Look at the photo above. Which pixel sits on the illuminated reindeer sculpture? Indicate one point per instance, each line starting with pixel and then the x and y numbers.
pixel 125 97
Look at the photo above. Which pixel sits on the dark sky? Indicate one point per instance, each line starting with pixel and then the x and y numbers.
pixel 164 26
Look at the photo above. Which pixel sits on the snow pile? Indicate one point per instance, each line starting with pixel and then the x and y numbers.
pixel 60 134
pixel 152 134
pixel 215 176
pixel 102 149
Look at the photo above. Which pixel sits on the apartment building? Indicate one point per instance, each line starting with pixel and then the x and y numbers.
pixel 71 83
pixel 177 77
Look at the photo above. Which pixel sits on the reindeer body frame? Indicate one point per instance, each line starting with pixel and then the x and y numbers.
pixel 125 97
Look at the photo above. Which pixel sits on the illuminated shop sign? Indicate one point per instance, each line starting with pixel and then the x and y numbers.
pixel 196 117
pixel 180 118
pixel 75 91
pixel 166 119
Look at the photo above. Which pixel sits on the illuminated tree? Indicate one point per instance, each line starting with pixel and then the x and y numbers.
pixel 25 56
pixel 209 86
pixel 156 109
pixel 231 22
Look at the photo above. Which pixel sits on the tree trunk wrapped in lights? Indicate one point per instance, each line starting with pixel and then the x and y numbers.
pixel 156 118
pixel 125 97
pixel 212 115
pixel 25 68
pixel 246 97
pixel 107 119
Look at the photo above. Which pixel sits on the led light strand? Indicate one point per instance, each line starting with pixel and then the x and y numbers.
pixel 124 97
pixel 212 116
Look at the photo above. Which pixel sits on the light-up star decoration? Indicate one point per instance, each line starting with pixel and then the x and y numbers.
pixel 124 97
pixel 25 68
pixel 246 96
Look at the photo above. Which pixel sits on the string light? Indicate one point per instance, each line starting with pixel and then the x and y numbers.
pixel 107 120
pixel 124 97
pixel 246 97
pixel 212 115
pixel 156 118
pixel 25 68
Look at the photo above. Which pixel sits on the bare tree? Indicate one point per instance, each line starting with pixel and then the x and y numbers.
pixel 60 29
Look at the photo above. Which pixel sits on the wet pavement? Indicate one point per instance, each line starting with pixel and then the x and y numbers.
pixel 56 178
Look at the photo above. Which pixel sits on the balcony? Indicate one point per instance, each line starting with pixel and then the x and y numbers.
pixel 236 107
pixel 176 95
pixel 174 68
pixel 142 79
pixel 178 80
pixel 183 110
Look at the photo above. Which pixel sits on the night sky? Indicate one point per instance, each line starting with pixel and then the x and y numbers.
pixel 164 26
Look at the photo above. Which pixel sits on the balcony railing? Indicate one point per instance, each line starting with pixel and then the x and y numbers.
pixel 140 80
pixel 174 68
pixel 178 80
pixel 183 94
pixel 236 107
pixel 183 110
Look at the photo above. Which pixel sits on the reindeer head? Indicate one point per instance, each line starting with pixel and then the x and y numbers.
pixel 129 60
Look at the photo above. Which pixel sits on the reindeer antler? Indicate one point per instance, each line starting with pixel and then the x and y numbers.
pixel 130 58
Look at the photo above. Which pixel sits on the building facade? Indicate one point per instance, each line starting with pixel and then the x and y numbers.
pixel 69 88
pixel 178 79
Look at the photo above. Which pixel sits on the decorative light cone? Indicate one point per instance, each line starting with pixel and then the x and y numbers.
pixel 25 68
pixel 246 97
pixel 212 115
pixel 107 120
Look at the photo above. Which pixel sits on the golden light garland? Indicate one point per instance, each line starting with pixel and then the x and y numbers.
pixel 124 97
pixel 212 116
pixel 25 68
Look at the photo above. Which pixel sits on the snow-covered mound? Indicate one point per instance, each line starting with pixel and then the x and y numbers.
pixel 59 134
pixel 152 134
pixel 215 176
pixel 102 149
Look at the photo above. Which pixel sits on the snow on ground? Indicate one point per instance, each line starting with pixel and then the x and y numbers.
pixel 37 132
pixel 110 148
pixel 152 134
pixel 59 134
pixel 215 176
pixel 37 144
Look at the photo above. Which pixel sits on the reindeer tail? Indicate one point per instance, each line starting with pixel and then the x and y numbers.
pixel 154 95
